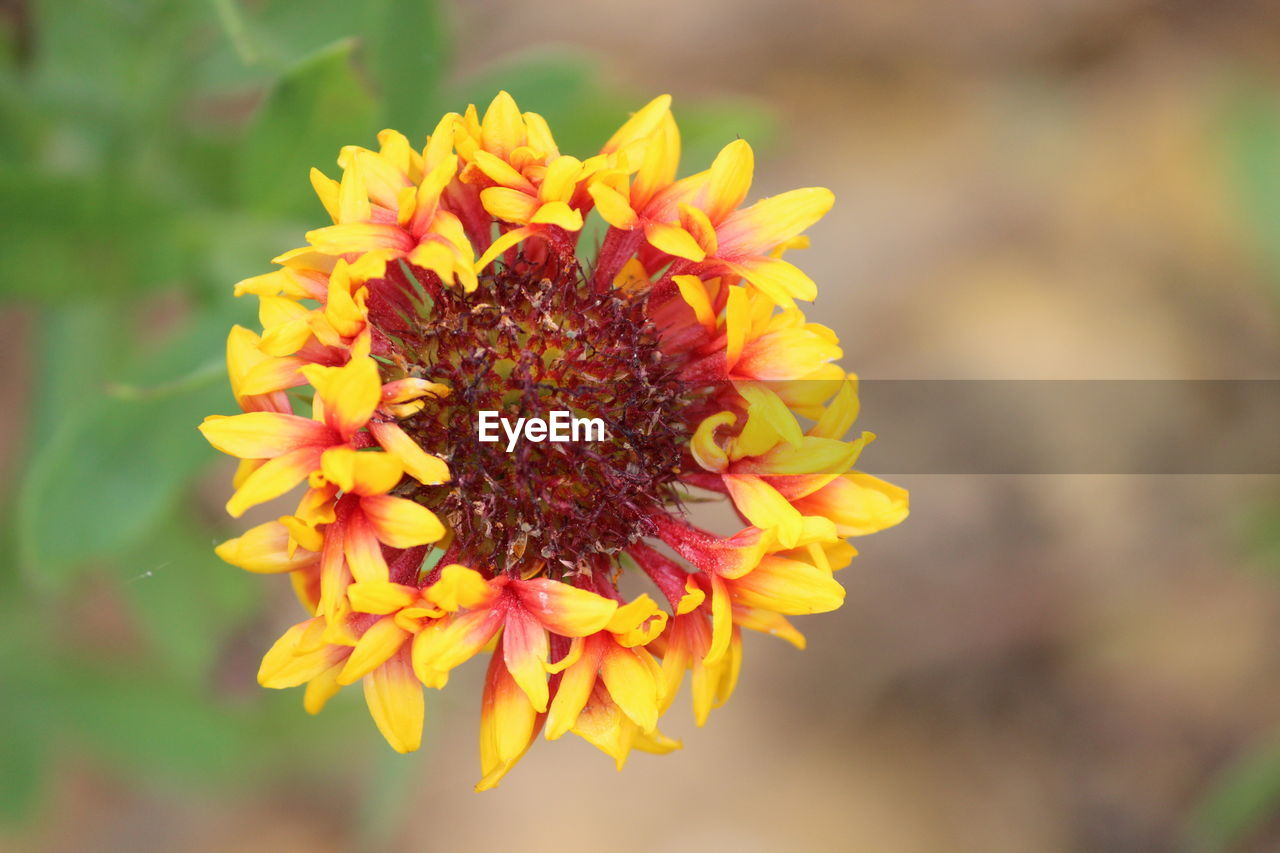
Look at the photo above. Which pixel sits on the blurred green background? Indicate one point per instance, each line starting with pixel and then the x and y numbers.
pixel 1025 190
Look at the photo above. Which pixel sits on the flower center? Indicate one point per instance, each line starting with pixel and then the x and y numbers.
pixel 533 339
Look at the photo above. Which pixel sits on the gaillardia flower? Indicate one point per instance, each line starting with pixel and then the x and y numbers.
pixel 508 417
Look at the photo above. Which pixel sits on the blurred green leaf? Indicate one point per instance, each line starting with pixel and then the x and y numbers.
pixel 237 31
pixel 143 722
pixel 267 37
pixel 23 760
pixel 1243 797
pixel 188 629
pixel 103 467
pixel 314 109
pixel 79 237
pixel 77 347
pixel 83 71
pixel 1259 531
pixel 1251 136
pixel 708 126
pixel 406 49
pixel 107 475
pixel 26 673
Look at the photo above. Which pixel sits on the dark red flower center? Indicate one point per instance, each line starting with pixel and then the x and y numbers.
pixel 534 339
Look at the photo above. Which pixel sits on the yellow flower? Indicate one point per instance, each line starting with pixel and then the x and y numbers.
pixel 443 518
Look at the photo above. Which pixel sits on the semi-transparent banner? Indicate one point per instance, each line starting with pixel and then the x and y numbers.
pixel 1071 426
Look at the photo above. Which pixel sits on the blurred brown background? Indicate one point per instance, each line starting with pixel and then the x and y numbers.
pixel 1044 189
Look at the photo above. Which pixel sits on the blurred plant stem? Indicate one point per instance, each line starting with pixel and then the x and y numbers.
pixel 237 31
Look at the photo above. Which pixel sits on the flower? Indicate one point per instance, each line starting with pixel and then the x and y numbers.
pixel 458 279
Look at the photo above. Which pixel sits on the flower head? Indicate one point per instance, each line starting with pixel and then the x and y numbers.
pixel 455 284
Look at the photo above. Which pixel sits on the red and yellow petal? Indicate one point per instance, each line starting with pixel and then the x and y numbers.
pixel 263 435
pixel 400 522
pixel 524 649
pixel 264 549
pixel 564 609
pixel 395 702
pixel 422 466
pixel 377 644
pixel 508 724
pixel 273 479
pixel 350 393
pixel 859 504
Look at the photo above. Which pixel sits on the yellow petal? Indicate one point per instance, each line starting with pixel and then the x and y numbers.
pixel 673 240
pixel 380 597
pixel 721 621
pixel 694 292
pixel 785 354
pixel 766 409
pixel 637 622
pixel 353 197
pixel 692 598
pixel 404 390
pixel 327 189
pixel 265 549
pixel 737 322
pixel 632 278
pixel 273 479
pixel 826 456
pixel 790 587
pixel 641 124
pixel 524 651
pixel 572 694
pixel 840 414
pixel 613 206
pixel 395 702
pixel 502 129
pixel 459 587
pixel 500 245
pixel 603 725
pixel 270 375
pixel 779 280
pixel 321 689
pixel 633 679
pixel 382 640
pixel 559 214
pixel 359 237
pixel 699 226
pixel 350 393
pixel 508 724
pixel 539 135
pixel 363 553
pixel 509 205
pixel 764 507
pixel 859 504
pixel 762 226
pixel 660 163
pixel 768 622
pixel 400 522
pixel 361 472
pixel 443 645
pixel 283 665
pixel 561 179
pixel 263 435
pixel 729 179
pixel 565 609
pixel 344 313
